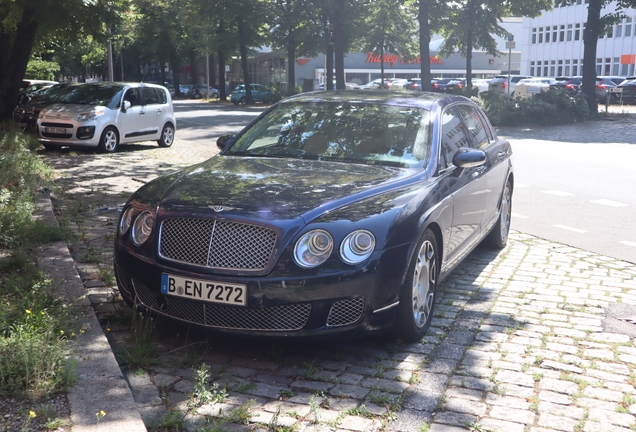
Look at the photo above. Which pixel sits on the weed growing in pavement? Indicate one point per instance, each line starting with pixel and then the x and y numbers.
pixel 92 256
pixel 285 393
pixel 245 387
pixel 141 350
pixel 202 394
pixel 106 276
pixel 172 420
pixel 314 408
pixel 241 414
pixel 425 427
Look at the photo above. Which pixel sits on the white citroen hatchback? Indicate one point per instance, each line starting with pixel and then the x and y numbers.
pixel 106 114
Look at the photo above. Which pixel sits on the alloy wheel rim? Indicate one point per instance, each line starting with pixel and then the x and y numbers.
pixel 423 284
pixel 168 136
pixel 505 213
pixel 111 141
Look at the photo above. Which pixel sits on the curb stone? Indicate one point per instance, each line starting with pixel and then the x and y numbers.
pixel 101 385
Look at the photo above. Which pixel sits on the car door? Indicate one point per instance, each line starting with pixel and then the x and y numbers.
pixel 132 121
pixel 155 109
pixel 466 186
pixel 494 171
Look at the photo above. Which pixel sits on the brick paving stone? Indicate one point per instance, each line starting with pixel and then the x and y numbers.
pixel 512 415
pixel 603 394
pixel 454 418
pixel 557 423
pixel 345 390
pixel 559 386
pixel 611 417
pixel 507 401
pixel 569 411
pixel 549 364
pixel 511 377
pixel 491 424
pixel 553 397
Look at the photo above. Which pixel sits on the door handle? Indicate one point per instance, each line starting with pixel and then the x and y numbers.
pixel 501 154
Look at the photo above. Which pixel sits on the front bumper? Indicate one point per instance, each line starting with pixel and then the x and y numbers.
pixel 349 302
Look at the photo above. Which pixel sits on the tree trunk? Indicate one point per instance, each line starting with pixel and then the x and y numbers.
pixel 339 44
pixel 193 67
pixel 590 39
pixel 212 73
pixel 13 66
pixel 469 44
pixel 291 61
pixel 425 40
pixel 382 64
pixel 222 93
pixel 329 65
pixel 243 51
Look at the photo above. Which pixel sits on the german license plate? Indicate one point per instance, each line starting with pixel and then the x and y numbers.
pixel 215 292
pixel 55 130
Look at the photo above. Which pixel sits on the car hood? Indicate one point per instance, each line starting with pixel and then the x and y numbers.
pixel 72 109
pixel 269 189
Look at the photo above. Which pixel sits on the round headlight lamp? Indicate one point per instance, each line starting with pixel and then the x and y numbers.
pixel 313 248
pixel 357 246
pixel 126 218
pixel 142 228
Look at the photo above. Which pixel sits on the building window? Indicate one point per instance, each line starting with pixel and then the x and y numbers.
pixel 619 31
pixel 628 27
pixel 560 68
pixel 577 32
pixel 538 68
pixel 554 33
pixel 578 2
pixel 562 34
pixel 532 70
pixel 569 33
pixel 567 71
pixel 610 32
pixel 540 37
pixel 547 36
pixel 574 67
pixel 545 71
pixel 552 68
pixel 534 35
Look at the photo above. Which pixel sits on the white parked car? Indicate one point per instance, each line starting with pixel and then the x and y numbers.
pixel 398 84
pixel 106 114
pixel 501 84
pixel 527 88
pixel 481 84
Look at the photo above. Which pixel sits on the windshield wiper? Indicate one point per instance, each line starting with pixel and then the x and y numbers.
pixel 252 154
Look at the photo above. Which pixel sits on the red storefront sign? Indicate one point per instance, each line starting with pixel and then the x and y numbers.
pixel 392 59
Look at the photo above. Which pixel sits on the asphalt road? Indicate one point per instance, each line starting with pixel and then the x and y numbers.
pixel 574 183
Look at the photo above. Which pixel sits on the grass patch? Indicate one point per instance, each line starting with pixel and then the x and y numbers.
pixel 35 325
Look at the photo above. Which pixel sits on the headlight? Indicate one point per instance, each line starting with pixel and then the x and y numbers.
pixel 142 228
pixel 357 247
pixel 83 117
pixel 124 222
pixel 313 248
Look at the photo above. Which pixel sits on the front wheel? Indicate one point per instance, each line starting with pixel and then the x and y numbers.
pixel 167 136
pixel 109 141
pixel 418 293
pixel 498 237
pixel 243 101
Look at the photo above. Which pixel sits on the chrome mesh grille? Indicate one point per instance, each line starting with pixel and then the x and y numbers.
pixel 277 318
pixel 216 244
pixel 345 312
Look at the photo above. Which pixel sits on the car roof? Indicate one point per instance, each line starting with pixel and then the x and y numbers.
pixel 424 100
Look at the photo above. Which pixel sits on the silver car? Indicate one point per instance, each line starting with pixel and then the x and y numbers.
pixel 106 114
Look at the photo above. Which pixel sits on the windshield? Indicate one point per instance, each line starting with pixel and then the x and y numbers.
pixel 89 94
pixel 340 131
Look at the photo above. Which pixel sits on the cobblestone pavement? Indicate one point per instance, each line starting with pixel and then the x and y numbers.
pixel 526 339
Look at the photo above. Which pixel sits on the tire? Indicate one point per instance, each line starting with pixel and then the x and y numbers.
pixel 197 96
pixel 167 136
pixel 243 101
pixel 51 147
pixel 235 103
pixel 109 141
pixel 419 291
pixel 498 236
pixel 215 95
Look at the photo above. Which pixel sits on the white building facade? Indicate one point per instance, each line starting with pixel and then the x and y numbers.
pixel 553 43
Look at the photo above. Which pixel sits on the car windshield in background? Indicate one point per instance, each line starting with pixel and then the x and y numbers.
pixel 93 95
pixel 346 132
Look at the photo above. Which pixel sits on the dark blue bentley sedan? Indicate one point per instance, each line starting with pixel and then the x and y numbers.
pixel 332 214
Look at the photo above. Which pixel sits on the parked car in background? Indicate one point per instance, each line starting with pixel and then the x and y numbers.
pixel 190 91
pixel 29 86
pixel 504 84
pixel 102 115
pixel 569 85
pixel 628 90
pixel 334 214
pixel 207 91
pixel 398 84
pixel 372 85
pixel 455 84
pixel 260 93
pixel 529 87
pixel 439 84
pixel 481 84
pixel 603 86
pixel 27 113
pixel 413 84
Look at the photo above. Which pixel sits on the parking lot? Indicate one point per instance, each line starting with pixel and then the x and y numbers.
pixel 528 339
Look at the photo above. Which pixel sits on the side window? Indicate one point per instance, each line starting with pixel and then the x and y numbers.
pixel 476 129
pixel 453 136
pixel 163 96
pixel 133 95
pixel 150 96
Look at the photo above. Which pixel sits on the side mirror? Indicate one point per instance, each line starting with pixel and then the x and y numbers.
pixel 469 158
pixel 223 140
pixel 125 106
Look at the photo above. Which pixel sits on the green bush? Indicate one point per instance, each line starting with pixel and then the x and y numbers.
pixel 550 107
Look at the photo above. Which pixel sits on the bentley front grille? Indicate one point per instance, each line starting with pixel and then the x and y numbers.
pixel 216 244
pixel 345 312
pixel 277 318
